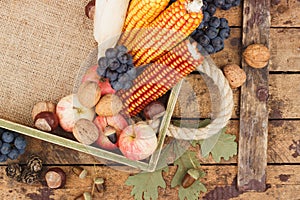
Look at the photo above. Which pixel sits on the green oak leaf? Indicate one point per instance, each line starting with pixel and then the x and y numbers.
pixel 192 192
pixel 221 145
pixel 145 184
pixel 187 161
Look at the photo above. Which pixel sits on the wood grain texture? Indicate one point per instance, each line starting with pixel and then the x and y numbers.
pixel 284 96
pixel 283 102
pixel 252 157
pixel 219 181
pixel 285 49
pixel 285 13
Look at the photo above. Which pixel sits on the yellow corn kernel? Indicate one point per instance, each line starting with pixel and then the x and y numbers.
pixel 139 15
pixel 176 27
pixel 159 77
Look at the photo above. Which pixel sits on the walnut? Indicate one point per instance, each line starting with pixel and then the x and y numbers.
pixel 257 55
pixel 235 75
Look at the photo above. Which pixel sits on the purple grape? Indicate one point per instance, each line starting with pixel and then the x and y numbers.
pixel 211 32
pixel 13 154
pixel 226 6
pixel 204 40
pixel 20 142
pixel 224 33
pixel 223 23
pixel 3 158
pixel 219 3
pixel 214 22
pixel 5 148
pixel 209 49
pixel 8 136
pixel 113 63
pixel 111 53
pixel 211 9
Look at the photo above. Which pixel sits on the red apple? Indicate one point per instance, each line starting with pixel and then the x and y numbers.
pixel 117 122
pixel 69 110
pixel 91 75
pixel 105 86
pixel 137 141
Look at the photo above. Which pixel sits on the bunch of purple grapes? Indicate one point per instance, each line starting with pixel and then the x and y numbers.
pixel 12 145
pixel 213 31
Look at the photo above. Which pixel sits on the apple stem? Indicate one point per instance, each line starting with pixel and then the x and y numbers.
pixel 79 110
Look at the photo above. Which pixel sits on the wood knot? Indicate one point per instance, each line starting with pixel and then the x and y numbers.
pixel 262 94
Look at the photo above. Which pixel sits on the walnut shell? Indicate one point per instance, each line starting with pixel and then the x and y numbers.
pixel 85 131
pixel 109 105
pixel 257 55
pixel 89 94
pixel 235 75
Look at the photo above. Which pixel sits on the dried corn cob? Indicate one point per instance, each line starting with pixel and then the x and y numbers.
pixel 161 76
pixel 139 15
pixel 171 27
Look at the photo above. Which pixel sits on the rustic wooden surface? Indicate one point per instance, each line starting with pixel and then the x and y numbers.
pixel 284 121
pixel 252 156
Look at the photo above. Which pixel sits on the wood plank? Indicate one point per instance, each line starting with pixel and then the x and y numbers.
pixel 285 13
pixel 194 100
pixel 234 15
pixel 284 96
pixel 232 48
pixel 252 157
pixel 284 179
pixel 283 102
pixel 285 51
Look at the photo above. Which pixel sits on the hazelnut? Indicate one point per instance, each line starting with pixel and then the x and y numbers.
pixel 90 9
pixel 46 121
pixel 42 106
pixel 85 131
pixel 235 75
pixel 55 178
pixel 257 55
pixel 89 94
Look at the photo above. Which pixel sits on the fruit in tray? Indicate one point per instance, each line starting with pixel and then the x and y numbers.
pixel 69 110
pixel 109 130
pixel 137 141
pixel 155 36
pixel 117 66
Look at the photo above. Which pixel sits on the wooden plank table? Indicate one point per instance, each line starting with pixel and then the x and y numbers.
pixel 283 169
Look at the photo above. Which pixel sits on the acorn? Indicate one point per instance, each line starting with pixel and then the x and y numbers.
pixel 99 184
pixel 190 177
pixel 80 172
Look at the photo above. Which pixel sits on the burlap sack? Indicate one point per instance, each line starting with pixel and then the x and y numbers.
pixel 43 46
